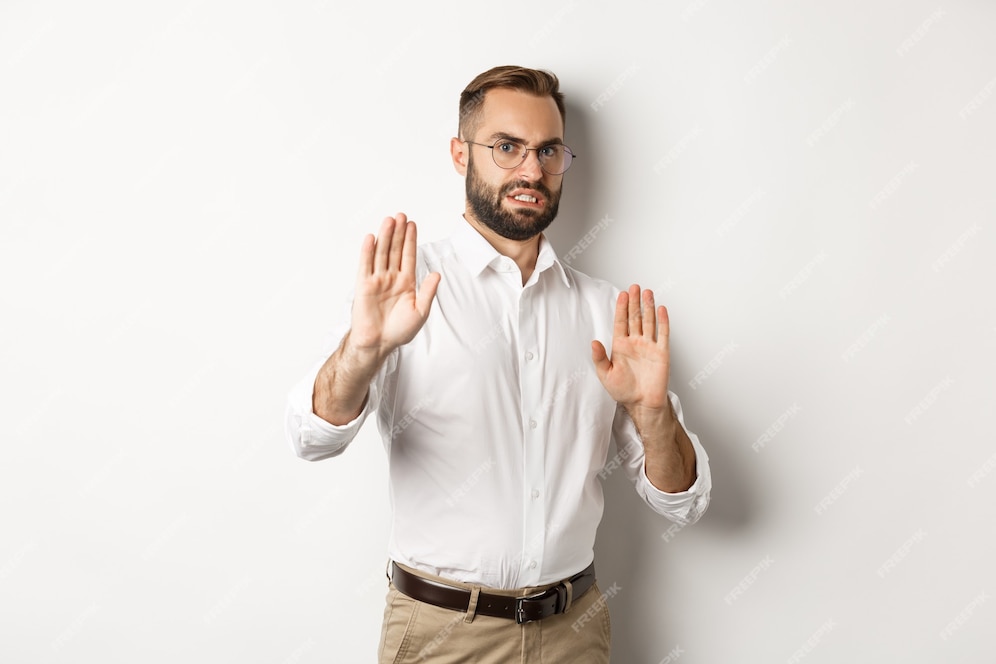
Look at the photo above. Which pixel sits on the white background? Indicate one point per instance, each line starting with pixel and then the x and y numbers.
pixel 808 186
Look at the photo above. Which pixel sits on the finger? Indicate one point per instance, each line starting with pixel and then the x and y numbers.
pixel 600 359
pixel 663 329
pixel 383 247
pixel 397 241
pixel 366 257
pixel 408 250
pixel 650 322
pixel 426 292
pixel 635 317
pixel 621 323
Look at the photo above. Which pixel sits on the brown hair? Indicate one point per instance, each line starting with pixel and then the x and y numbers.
pixel 534 81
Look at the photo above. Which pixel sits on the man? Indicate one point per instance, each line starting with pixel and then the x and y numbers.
pixel 484 358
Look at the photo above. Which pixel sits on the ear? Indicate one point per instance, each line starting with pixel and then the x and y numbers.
pixel 458 151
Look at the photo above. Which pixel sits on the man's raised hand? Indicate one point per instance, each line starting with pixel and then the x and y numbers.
pixel 388 309
pixel 637 374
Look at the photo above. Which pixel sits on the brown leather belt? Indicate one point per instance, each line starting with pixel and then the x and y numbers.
pixel 521 609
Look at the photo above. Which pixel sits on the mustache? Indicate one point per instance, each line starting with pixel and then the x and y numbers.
pixel 522 184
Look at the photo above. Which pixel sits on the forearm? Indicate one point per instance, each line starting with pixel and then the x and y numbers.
pixel 668 452
pixel 342 383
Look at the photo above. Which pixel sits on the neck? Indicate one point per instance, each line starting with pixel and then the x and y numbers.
pixel 523 252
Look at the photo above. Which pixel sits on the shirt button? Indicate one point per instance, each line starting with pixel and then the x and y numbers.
pixel 532 565
pixel 532 424
pixel 529 355
pixel 535 493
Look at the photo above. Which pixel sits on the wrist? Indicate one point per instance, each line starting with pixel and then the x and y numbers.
pixel 362 358
pixel 652 415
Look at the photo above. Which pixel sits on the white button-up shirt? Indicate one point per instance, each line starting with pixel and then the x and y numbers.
pixel 495 423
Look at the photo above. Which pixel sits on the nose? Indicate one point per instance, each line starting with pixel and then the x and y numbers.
pixel 530 168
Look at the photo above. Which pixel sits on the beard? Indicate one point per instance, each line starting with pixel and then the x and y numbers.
pixel 486 201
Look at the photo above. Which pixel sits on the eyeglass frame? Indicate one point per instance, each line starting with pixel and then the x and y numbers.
pixel 525 153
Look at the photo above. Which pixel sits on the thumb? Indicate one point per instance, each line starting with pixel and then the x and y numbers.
pixel 426 293
pixel 600 359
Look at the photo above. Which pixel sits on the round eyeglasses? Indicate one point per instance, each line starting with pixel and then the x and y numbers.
pixel 554 159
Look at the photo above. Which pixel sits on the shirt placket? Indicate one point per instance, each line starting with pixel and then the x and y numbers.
pixel 534 424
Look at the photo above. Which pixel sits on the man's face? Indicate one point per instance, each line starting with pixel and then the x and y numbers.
pixel 500 198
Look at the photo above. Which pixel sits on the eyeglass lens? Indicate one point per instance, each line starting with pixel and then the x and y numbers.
pixel 554 159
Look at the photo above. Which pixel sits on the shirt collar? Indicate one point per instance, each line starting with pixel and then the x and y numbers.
pixel 476 253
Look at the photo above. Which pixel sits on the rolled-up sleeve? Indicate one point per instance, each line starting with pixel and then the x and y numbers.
pixel 310 436
pixel 684 507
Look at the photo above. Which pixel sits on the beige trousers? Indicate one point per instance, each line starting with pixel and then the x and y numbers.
pixel 416 632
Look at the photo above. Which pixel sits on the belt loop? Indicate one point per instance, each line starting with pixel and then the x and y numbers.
pixel 475 593
pixel 570 594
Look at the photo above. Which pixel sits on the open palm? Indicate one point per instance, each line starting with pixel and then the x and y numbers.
pixel 388 310
pixel 637 374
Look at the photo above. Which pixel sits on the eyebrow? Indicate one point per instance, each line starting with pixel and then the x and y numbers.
pixel 499 135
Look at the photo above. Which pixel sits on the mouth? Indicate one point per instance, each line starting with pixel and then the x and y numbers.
pixel 526 198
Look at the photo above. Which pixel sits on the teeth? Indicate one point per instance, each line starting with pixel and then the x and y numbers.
pixel 525 198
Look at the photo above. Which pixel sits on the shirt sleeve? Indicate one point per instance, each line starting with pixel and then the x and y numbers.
pixel 310 436
pixel 684 507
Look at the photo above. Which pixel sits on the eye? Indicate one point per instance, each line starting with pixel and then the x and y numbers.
pixel 550 151
pixel 508 147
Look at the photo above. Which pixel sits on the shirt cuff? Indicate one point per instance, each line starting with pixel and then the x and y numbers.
pixel 683 506
pixel 312 437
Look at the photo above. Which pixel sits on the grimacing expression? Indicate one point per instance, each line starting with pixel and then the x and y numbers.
pixel 487 202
